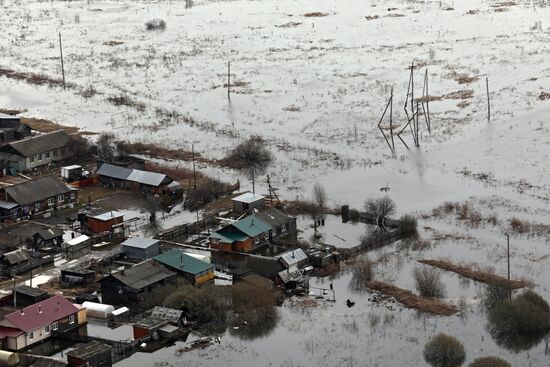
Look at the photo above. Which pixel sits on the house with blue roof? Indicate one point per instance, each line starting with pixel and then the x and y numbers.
pixel 243 235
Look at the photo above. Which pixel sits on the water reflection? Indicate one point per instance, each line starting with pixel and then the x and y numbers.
pixel 256 323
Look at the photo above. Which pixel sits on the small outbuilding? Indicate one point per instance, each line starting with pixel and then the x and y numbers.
pixel 26 296
pixel 104 222
pixel 247 202
pixel 173 316
pixel 293 259
pixel 140 248
pixel 93 353
pixel 78 275
pixel 147 327
pixel 98 310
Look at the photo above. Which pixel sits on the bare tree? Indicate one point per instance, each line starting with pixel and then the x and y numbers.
pixel 106 148
pixel 251 157
pixel 320 202
pixel 380 209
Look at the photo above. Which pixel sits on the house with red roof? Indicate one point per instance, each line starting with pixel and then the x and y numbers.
pixel 35 323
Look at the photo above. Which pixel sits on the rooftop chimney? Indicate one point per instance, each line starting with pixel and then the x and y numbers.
pixel 181 259
pixel 58 306
pixel 39 308
pixel 21 312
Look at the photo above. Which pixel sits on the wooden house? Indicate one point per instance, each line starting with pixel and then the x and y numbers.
pixel 35 323
pixel 140 248
pixel 104 222
pixel 247 202
pixel 243 235
pixel 132 285
pixel 133 179
pixel 26 296
pixel 189 267
pixel 282 225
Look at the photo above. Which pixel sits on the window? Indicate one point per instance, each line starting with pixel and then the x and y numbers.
pixel 31 335
pixel 51 201
pixel 55 326
pixel 62 151
pixel 47 155
pixel 37 206
pixel 73 195
pixel 71 319
pixel 61 198
pixel 284 228
pixel 32 159
pixel 39 157
pixel 55 152
pixel 47 329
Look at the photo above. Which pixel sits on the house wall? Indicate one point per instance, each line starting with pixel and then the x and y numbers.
pixel 45 158
pixel 17 343
pixel 140 332
pixel 205 277
pixel 69 197
pixel 221 246
pixel 98 226
pixel 141 254
pixel 81 317
pixel 243 246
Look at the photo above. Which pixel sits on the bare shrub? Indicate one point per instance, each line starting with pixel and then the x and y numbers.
pixel 519 226
pixel 489 362
pixel 521 323
pixel 380 209
pixel 408 225
pixel 428 283
pixel 88 92
pixel 155 25
pixel 363 272
pixel 444 351
pixel 106 146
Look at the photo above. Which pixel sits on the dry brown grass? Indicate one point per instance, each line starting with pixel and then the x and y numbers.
pixel 372 17
pixel 10 112
pixel 461 94
pixel 411 300
pixel 32 78
pixel 157 151
pixel 113 43
pixel 289 25
pixel 124 100
pixel 477 275
pixel 46 126
pixel 543 96
pixel 315 14
pixel 395 15
pixel 463 78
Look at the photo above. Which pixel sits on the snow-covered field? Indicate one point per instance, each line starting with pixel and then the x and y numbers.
pixel 315 87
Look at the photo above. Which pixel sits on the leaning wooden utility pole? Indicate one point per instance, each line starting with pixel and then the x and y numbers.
pixel 62 66
pixel 488 101
pixel 194 171
pixel 228 79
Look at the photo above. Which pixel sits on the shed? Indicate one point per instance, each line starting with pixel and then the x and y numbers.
pixel 173 316
pixel 247 202
pixel 17 257
pixel 104 222
pixel 147 327
pixel 98 310
pixel 120 314
pixel 78 275
pixel 48 236
pixel 168 331
pixel 77 246
pixel 26 296
pixel 93 353
pixel 140 248
pixel 294 258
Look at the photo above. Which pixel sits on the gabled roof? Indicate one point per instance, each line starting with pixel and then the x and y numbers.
pixel 139 242
pixel 143 275
pixel 248 198
pixel 293 257
pixel 41 143
pixel 107 216
pixel 169 314
pixel 37 190
pixel 8 205
pixel 180 261
pixel 8 331
pixel 251 226
pixel 134 175
pixel 17 256
pixel 273 217
pixel 50 233
pixel 42 313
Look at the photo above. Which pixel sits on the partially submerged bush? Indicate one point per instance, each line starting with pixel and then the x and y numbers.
pixel 380 209
pixel 489 362
pixel 520 323
pixel 444 351
pixel 428 282
pixel 155 25
pixel 408 225
pixel 363 273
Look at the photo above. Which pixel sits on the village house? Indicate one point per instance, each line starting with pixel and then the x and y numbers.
pixel 293 259
pixel 11 128
pixel 45 237
pixel 243 235
pixel 35 323
pixel 282 225
pixel 26 296
pixel 133 179
pixel 19 257
pixel 189 267
pixel 140 248
pixel 134 284
pixel 104 222
pixel 37 151
pixel 34 196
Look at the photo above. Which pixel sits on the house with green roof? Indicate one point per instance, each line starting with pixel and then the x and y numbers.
pixel 194 270
pixel 242 235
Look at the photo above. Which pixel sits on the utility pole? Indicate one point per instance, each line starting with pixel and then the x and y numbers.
pixel 62 66
pixel 194 170
pixel 14 295
pixel 228 79
pixel 488 100
pixel 508 257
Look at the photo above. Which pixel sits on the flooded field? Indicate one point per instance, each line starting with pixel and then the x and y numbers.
pixel 312 78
